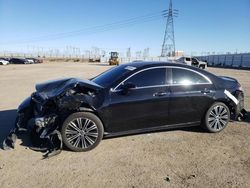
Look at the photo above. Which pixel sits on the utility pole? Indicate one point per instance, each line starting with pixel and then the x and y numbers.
pixel 168 46
pixel 146 53
pixel 128 54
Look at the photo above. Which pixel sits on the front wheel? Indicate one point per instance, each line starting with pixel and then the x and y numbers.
pixel 202 66
pixel 82 131
pixel 216 118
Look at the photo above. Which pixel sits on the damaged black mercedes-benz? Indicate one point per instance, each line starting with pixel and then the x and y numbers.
pixel 127 99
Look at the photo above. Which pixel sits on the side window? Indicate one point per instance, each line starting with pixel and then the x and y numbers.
pixel 151 77
pixel 187 77
pixel 194 60
pixel 188 59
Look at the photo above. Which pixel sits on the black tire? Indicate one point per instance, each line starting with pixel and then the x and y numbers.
pixel 215 122
pixel 202 66
pixel 89 130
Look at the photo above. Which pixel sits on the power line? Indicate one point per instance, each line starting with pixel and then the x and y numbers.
pixel 98 29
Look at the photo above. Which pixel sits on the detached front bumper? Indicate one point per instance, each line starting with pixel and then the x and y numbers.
pixel 43 128
pixel 240 112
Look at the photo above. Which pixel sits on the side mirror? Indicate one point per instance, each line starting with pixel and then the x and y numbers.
pixel 126 88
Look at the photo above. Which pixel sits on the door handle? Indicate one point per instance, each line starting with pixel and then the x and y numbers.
pixel 205 91
pixel 159 94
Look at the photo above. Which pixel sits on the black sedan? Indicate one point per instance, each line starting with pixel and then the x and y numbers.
pixel 128 99
pixel 19 61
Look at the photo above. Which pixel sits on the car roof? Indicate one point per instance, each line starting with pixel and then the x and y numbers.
pixel 17 58
pixel 146 64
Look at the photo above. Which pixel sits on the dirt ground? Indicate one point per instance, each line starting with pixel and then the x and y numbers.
pixel 176 158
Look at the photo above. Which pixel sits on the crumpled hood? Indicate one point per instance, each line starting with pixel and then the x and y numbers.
pixel 57 87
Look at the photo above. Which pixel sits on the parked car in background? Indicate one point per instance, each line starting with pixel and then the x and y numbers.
pixel 19 61
pixel 38 61
pixel 30 60
pixel 192 61
pixel 128 99
pixel 34 60
pixel 4 61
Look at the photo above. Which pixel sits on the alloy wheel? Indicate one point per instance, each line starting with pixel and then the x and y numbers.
pixel 218 118
pixel 81 133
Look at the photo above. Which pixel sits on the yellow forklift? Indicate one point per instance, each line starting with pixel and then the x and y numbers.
pixel 113 60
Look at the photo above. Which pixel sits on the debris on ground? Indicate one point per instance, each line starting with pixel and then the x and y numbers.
pixel 191 176
pixel 167 179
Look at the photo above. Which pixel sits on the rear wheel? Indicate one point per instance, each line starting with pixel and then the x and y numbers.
pixel 82 131
pixel 217 117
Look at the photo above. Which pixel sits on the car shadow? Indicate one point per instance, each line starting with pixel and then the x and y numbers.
pixel 7 121
pixel 248 117
pixel 196 129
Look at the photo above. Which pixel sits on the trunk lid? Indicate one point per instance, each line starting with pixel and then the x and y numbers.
pixel 229 82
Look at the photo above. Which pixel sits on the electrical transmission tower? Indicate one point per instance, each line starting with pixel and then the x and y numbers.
pixel 168 46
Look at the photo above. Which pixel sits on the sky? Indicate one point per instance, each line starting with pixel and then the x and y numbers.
pixel 218 26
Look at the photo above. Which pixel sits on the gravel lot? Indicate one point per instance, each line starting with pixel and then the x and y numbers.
pixel 176 158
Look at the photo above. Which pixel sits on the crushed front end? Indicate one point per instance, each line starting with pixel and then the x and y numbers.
pixel 42 114
pixel 40 119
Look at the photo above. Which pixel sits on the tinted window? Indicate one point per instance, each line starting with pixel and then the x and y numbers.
pixel 194 60
pixel 188 59
pixel 149 77
pixel 186 77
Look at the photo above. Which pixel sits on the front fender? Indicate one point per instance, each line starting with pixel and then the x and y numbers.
pixel 25 105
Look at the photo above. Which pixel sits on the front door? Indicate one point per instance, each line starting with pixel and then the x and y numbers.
pixel 144 106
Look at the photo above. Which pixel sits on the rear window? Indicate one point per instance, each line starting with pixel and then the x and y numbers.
pixel 187 77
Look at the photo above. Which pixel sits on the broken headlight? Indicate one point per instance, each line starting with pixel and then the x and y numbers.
pixel 44 121
pixel 40 122
pixel 70 92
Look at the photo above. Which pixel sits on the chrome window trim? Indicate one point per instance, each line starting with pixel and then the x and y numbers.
pixel 209 81
pixel 117 90
pixel 158 67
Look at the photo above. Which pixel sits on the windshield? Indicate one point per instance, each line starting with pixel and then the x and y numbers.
pixel 110 76
pixel 179 59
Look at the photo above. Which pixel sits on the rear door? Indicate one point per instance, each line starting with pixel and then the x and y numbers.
pixel 144 106
pixel 191 93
